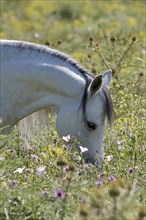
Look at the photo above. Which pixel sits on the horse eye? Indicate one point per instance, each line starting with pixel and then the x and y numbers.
pixel 91 125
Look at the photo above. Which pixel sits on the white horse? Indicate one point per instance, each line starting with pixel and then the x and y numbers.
pixel 34 77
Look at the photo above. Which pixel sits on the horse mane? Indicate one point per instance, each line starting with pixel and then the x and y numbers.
pixel 52 52
pixel 108 106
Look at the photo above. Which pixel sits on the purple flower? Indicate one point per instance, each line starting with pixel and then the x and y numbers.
pixel 101 175
pixel 136 186
pixel 40 170
pixel 67 146
pixel 83 199
pixel 144 180
pixel 12 183
pixel 65 169
pixel 111 178
pixel 23 147
pixel 59 194
pixel 34 158
pixel 131 170
pixel 99 182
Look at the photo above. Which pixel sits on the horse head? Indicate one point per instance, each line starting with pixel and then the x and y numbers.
pixel 89 121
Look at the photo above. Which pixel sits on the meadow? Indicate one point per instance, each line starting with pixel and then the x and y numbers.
pixel 47 179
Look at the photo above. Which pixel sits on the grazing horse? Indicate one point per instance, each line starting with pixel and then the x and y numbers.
pixel 34 77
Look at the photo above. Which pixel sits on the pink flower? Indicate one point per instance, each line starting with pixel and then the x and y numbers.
pixel 111 178
pixel 59 194
pixel 131 170
pixel 99 182
pixel 66 138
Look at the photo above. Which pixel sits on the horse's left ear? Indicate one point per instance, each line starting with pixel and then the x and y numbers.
pixel 106 77
pixel 95 84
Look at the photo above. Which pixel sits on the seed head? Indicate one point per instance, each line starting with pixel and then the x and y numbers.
pixel 61 161
pixel 113 39
pixel 134 39
pixel 114 190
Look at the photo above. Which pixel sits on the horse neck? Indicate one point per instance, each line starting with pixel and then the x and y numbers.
pixel 45 81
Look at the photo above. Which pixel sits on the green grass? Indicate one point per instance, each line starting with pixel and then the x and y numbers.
pixel 101 35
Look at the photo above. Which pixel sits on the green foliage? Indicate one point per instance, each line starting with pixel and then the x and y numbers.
pixel 45 180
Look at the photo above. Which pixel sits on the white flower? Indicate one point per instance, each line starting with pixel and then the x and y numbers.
pixel 19 170
pixel 40 170
pixel 83 149
pixel 109 158
pixel 66 138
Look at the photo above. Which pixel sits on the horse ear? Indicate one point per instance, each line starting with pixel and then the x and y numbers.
pixel 107 76
pixel 96 84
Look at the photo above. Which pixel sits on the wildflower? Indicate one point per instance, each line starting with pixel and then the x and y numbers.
pixel 99 182
pixel 2 158
pixel 36 35
pixel 65 169
pixel 59 194
pixel 143 51
pixel 44 192
pixel 40 170
pixel 66 138
pixel 101 175
pixel 120 146
pixel 111 178
pixel 12 152
pixel 19 170
pixel 131 170
pixel 83 149
pixel 34 158
pixel 83 199
pixel 144 180
pixel 23 147
pixel 12 183
pixel 109 158
pixel 67 146
pixel 135 185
